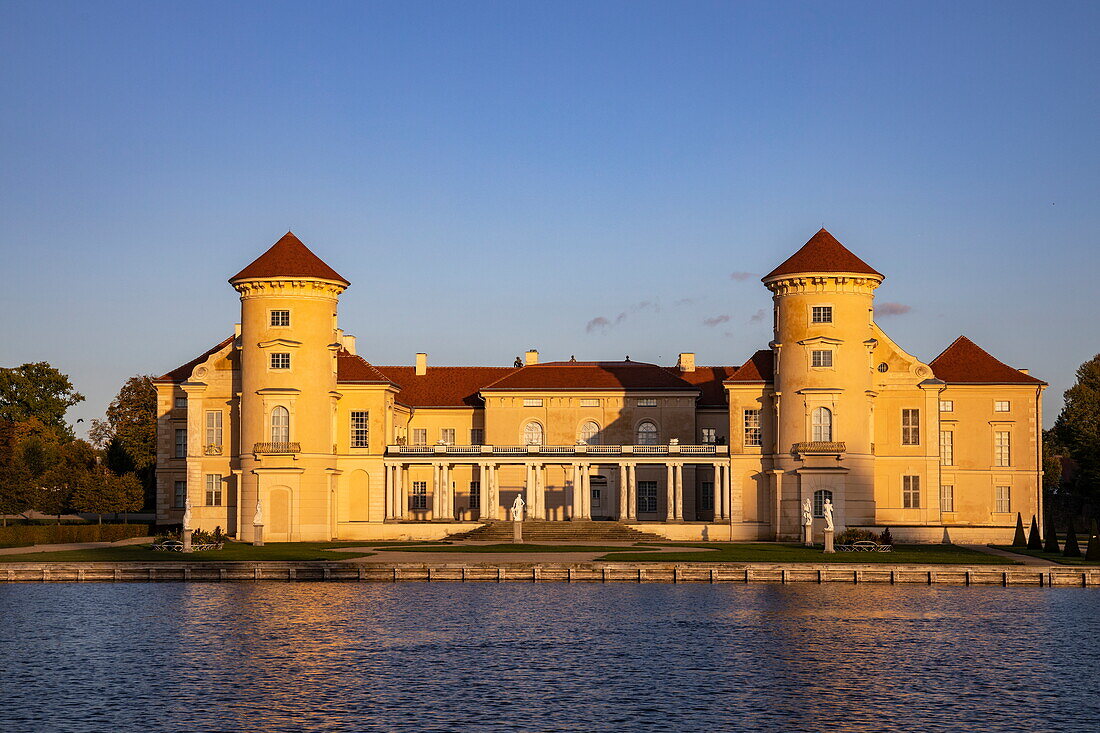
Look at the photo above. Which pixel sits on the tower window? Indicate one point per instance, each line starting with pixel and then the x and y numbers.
pixel 822 424
pixel 822 314
pixel 280 361
pixel 821 358
pixel 280 319
pixel 280 425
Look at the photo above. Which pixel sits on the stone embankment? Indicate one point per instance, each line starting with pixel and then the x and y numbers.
pixel 552 572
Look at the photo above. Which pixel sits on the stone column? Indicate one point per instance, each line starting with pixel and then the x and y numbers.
pixel 391 490
pixel 678 478
pixel 529 490
pixel 575 513
pixel 486 511
pixel 632 490
pixel 540 492
pixel 448 493
pixel 494 492
pixel 586 492
pixel 721 504
pixel 670 491
pixel 437 491
pixel 402 490
pixel 624 492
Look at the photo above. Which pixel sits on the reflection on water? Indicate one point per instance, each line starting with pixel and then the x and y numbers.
pixel 556 657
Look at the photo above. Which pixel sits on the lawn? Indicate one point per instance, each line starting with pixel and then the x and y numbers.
pixel 779 553
pixel 232 552
pixel 512 548
pixel 1051 556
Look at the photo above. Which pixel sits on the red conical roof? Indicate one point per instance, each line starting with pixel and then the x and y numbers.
pixel 289 258
pixel 823 253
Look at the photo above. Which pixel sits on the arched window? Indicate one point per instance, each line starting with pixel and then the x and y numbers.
pixel 647 433
pixel 590 433
pixel 532 434
pixel 820 496
pixel 280 425
pixel 822 424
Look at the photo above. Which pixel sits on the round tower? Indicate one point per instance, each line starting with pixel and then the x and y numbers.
pixel 288 351
pixel 823 299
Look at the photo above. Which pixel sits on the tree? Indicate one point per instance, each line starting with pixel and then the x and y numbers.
pixel 37 391
pixel 1033 540
pixel 1051 544
pixel 100 491
pixel 1078 427
pixel 129 434
pixel 1093 551
pixel 54 487
pixel 15 490
pixel 1072 549
pixel 1020 540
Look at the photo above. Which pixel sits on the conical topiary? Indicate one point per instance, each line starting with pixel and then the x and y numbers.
pixel 1071 549
pixel 1020 540
pixel 1093 552
pixel 1034 542
pixel 1051 544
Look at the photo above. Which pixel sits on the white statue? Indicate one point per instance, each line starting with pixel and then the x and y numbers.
pixel 827 510
pixel 517 508
pixel 187 513
pixel 807 513
pixel 258 517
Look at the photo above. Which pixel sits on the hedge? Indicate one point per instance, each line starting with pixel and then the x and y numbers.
pixel 24 535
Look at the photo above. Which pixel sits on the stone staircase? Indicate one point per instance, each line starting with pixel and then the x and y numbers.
pixel 544 531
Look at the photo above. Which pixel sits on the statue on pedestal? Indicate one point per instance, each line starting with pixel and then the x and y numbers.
pixel 187 513
pixel 827 510
pixel 807 522
pixel 517 508
pixel 258 517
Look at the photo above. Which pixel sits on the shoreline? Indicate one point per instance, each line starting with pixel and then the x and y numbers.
pixel 543 572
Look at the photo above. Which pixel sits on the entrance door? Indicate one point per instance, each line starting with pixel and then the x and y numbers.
pixel 601 500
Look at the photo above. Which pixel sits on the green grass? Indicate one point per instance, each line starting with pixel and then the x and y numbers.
pixel 512 548
pixel 778 553
pixel 232 552
pixel 1053 557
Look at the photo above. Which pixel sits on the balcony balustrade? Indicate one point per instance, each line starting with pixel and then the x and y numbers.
pixel 558 450
pixel 819 448
pixel 275 448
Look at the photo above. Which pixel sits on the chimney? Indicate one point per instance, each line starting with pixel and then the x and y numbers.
pixel 686 362
pixel 421 364
pixel 531 357
pixel 236 330
pixel 348 343
pixel 1024 371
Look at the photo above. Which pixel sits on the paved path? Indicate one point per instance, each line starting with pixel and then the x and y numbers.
pixel 1015 557
pixel 72 546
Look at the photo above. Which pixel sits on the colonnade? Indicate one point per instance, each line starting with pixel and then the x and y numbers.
pixel 398 488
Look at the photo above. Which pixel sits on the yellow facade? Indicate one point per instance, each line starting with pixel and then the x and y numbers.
pixel 286 415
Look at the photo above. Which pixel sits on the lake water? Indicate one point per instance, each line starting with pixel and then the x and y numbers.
pixel 553 657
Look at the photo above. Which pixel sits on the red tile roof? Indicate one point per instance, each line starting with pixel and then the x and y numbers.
pixel 443 386
pixel 183 372
pixel 759 368
pixel 592 375
pixel 709 381
pixel 823 253
pixel 966 362
pixel 289 258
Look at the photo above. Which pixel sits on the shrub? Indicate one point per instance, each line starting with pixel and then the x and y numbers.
pixel 1034 542
pixel 886 538
pixel 1051 544
pixel 1020 540
pixel 26 535
pixel 1071 549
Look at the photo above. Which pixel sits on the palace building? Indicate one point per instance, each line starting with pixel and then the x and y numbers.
pixel 285 411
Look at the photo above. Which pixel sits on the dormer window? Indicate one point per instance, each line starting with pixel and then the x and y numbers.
pixel 280 319
pixel 822 314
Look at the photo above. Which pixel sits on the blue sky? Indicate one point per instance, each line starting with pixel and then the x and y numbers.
pixel 493 177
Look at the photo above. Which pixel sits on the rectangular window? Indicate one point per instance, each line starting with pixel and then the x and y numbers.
pixel 179 498
pixel 947 498
pixel 213 489
pixel 280 319
pixel 822 314
pixel 589 402
pixel 647 496
pixel 532 402
pixel 821 358
pixel 181 443
pixel 647 402
pixel 706 496
pixel 753 434
pixel 475 494
pixel 709 436
pixel 360 429
pixel 447 436
pixel 910 492
pixel 910 427
pixel 597 498
pixel 418 499
pixel 477 436
pixel 420 436
pixel 947 448
pixel 1002 449
pixel 214 428
pixel 947 405
pixel 1004 499
pixel 280 361
pixel 181 403
pixel 1002 406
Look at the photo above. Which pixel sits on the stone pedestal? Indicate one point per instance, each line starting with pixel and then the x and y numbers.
pixel 257 535
pixel 829 541
pixel 517 532
pixel 187 540
pixel 808 535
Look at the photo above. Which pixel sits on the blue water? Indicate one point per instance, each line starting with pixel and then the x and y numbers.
pixel 553 657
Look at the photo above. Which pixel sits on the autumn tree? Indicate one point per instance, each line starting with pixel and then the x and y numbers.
pixel 128 436
pixel 37 391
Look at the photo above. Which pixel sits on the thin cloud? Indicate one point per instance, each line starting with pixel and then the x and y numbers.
pixel 597 324
pixel 715 320
pixel 892 309
pixel 741 276
pixel 602 324
pixel 758 316
pixel 684 301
